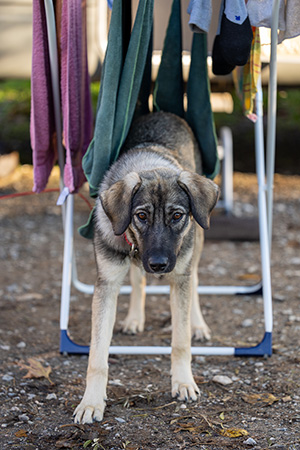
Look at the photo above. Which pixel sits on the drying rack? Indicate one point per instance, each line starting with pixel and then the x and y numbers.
pixel 265 176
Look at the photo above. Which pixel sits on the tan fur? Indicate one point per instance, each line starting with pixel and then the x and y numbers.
pixel 153 194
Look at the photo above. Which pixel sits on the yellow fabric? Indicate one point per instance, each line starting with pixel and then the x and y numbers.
pixel 246 77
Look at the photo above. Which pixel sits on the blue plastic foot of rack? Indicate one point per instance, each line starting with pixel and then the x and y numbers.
pixel 70 347
pixel 264 348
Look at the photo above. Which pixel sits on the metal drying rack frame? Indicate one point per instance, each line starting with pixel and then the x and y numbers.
pixel 265 177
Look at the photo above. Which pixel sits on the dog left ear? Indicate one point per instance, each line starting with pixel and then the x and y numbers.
pixel 117 200
pixel 203 194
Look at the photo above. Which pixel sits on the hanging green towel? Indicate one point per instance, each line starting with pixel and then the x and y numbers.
pixel 119 91
pixel 120 86
pixel 199 114
pixel 168 91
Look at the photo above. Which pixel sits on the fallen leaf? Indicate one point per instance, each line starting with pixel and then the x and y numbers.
pixel 36 370
pixel 185 427
pixel 254 399
pixel 249 276
pixel 233 432
pixel 21 433
pixel 222 416
pixel 287 398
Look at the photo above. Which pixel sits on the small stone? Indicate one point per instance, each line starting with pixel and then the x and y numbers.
pixel 247 323
pixel 222 379
pixel 279 298
pixel 200 359
pixel 120 420
pixel 21 345
pixel 115 383
pixel 250 441
pixel 23 418
pixel 5 347
pixel 15 408
pixel 51 396
pixel 183 406
pixel 295 261
pixel 7 378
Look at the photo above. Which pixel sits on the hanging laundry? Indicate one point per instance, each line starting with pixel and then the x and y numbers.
pixel 75 91
pixel 42 128
pixel 200 12
pixel 110 3
pixel 246 78
pixel 260 13
pixel 235 11
pixel 292 21
pixel 169 90
pixel 236 33
pixel 75 94
pixel 232 43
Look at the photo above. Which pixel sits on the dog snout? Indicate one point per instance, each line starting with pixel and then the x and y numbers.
pixel 158 264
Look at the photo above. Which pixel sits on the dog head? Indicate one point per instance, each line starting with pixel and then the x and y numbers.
pixel 156 207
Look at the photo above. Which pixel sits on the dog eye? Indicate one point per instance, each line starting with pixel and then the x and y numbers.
pixel 177 216
pixel 142 216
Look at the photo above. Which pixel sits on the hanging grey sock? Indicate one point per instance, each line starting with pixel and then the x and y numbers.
pixel 236 34
pixel 236 11
pixel 200 15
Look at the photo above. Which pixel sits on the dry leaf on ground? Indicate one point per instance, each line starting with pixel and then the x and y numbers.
pixel 21 433
pixel 233 432
pixel 36 370
pixel 254 399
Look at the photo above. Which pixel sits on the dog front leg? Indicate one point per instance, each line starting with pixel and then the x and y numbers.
pixel 135 318
pixel 200 330
pixel 104 305
pixel 183 384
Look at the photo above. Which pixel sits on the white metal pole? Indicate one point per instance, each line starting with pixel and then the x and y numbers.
pixel 165 290
pixel 67 264
pixel 262 208
pixel 159 350
pixel 272 106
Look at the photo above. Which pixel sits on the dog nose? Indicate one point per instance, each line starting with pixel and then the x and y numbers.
pixel 158 264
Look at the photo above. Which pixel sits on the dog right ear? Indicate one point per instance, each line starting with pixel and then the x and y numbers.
pixel 117 201
pixel 203 195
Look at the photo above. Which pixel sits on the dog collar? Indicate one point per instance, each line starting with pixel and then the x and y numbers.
pixel 133 248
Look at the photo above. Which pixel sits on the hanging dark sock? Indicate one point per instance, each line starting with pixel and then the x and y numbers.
pixel 219 65
pixel 235 41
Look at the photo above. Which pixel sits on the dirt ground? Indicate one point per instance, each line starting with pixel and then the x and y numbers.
pixel 259 408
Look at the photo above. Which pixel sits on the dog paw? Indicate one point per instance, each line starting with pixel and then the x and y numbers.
pixel 133 325
pixel 201 332
pixel 88 413
pixel 185 392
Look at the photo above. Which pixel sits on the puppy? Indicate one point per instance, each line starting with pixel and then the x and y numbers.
pixel 152 208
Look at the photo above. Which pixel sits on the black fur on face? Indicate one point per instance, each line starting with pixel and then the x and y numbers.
pixel 160 220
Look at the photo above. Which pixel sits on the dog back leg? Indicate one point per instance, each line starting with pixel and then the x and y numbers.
pixel 183 384
pixel 135 318
pixel 199 328
pixel 107 288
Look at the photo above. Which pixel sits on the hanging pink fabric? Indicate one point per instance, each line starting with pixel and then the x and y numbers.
pixel 75 92
pixel 75 95
pixel 42 129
